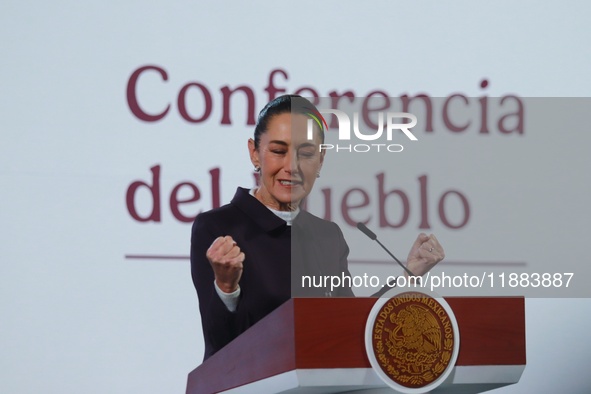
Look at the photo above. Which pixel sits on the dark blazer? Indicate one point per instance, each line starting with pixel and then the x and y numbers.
pixel 276 258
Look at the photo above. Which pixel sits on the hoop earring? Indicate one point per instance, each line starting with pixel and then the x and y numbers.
pixel 257 169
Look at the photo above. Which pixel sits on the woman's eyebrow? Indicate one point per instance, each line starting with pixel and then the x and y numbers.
pixel 279 142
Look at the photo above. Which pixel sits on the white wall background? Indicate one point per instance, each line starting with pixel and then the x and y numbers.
pixel 77 316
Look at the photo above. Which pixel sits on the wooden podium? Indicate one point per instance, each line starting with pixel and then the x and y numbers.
pixel 316 345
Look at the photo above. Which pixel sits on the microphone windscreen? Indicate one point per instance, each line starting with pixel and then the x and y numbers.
pixel 367 231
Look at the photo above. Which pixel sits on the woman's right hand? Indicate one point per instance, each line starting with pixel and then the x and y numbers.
pixel 226 260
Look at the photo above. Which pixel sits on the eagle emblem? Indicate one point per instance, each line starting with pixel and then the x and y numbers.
pixel 413 339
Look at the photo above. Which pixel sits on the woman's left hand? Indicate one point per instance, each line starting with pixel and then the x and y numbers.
pixel 425 253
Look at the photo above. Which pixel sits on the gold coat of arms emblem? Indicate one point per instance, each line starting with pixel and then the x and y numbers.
pixel 414 340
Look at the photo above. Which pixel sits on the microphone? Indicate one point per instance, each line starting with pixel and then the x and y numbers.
pixel 374 237
pixel 367 232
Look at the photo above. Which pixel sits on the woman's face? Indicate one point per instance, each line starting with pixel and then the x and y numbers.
pixel 289 162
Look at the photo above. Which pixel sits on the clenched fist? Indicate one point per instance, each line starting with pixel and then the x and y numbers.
pixel 424 254
pixel 226 260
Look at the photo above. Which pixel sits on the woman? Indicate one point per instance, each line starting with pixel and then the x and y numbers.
pixel 248 257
